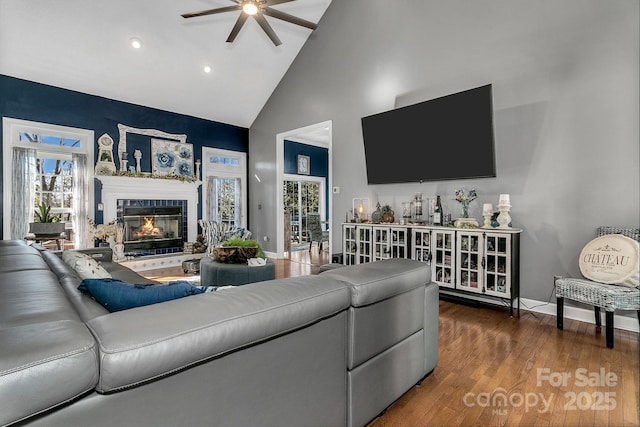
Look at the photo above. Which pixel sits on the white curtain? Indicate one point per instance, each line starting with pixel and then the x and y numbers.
pixel 23 194
pixel 238 207
pixel 212 198
pixel 80 203
pixel 214 186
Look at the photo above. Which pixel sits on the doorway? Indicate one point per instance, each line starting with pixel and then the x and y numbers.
pixel 301 197
pixel 317 135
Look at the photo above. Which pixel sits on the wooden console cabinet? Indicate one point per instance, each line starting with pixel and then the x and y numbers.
pixel 465 262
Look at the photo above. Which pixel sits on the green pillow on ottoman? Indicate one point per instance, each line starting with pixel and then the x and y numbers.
pixel 116 295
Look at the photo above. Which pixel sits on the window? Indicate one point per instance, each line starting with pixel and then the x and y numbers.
pixel 47 164
pixel 224 175
pixel 53 184
pixel 227 203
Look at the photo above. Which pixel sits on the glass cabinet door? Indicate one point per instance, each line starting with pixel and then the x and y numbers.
pixel 349 244
pixel 398 243
pixel 380 243
pixel 421 244
pixel 498 268
pixel 363 236
pixel 443 260
pixel 469 261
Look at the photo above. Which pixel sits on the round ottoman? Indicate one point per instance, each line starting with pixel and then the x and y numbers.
pixel 214 273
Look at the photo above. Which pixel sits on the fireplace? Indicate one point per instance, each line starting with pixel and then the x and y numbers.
pixel 152 227
pixel 120 192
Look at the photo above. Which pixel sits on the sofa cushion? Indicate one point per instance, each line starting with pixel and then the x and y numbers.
pixel 21 262
pixel 188 331
pixel 116 295
pixel 44 365
pixel 30 297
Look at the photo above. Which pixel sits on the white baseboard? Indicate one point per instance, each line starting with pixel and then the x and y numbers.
pixel 581 314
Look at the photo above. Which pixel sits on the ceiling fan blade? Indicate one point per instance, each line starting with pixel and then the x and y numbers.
pixel 236 28
pixel 211 11
pixel 267 29
pixel 274 13
pixel 272 2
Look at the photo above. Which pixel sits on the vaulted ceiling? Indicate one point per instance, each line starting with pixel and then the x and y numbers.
pixel 85 46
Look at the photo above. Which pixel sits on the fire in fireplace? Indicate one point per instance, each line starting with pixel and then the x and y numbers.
pixel 152 227
pixel 148 230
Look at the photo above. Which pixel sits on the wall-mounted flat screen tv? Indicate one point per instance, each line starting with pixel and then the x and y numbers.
pixel 441 139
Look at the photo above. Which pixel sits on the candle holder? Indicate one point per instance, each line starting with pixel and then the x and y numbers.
pixel 198 169
pixel 487 213
pixel 123 161
pixel 504 219
pixel 360 209
pixel 137 154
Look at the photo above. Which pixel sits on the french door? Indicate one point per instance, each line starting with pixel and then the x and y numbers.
pixel 303 196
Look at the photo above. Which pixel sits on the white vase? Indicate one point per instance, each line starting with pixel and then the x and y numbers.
pixel 118 251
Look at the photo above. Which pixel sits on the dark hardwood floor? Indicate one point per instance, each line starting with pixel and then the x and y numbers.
pixel 494 370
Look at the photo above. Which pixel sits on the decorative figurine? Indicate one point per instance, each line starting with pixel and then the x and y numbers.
pixel 105 164
pixel 137 155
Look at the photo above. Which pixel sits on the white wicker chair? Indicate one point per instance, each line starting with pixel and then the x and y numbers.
pixel 215 233
pixel 609 297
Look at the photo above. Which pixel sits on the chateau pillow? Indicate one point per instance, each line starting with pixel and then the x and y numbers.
pixel 116 295
pixel 89 268
pixel 611 259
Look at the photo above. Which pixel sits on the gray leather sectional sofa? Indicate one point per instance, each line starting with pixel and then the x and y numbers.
pixel 333 349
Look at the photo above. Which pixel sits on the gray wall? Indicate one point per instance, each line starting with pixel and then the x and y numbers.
pixel 565 80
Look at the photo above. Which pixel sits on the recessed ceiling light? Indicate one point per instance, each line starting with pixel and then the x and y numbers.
pixel 136 43
pixel 207 69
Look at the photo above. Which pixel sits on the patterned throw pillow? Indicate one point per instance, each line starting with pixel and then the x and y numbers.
pixel 72 257
pixel 90 269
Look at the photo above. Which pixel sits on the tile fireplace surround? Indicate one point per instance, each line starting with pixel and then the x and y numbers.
pixel 134 188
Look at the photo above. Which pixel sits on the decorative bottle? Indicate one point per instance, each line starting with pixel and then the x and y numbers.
pixel 437 212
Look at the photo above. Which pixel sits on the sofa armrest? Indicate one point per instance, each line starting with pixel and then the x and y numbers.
pixel 149 342
pixel 376 281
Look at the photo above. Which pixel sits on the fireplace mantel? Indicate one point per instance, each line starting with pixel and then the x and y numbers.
pixel 125 187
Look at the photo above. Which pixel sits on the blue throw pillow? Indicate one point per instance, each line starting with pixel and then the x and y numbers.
pixel 116 295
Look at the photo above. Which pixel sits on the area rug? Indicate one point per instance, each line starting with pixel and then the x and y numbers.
pixel 300 247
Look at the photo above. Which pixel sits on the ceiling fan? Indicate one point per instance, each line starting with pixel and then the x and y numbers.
pixel 257 9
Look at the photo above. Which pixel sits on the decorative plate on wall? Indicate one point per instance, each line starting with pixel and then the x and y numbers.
pixel 171 158
pixel 304 164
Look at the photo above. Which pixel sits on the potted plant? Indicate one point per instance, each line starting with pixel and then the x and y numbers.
pixel 46 223
pixel 238 250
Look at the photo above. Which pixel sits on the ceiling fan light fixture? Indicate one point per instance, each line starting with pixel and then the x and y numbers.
pixel 250 7
pixel 136 43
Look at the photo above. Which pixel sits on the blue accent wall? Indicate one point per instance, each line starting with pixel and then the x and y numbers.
pixel 318 160
pixel 22 99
